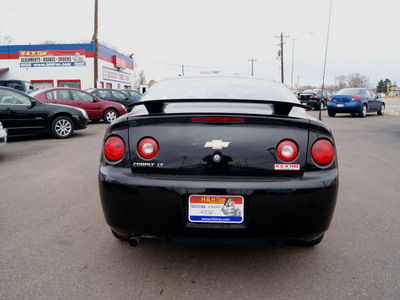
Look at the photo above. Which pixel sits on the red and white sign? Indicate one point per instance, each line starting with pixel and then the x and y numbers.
pixel 119 62
pixel 52 58
pixel 287 167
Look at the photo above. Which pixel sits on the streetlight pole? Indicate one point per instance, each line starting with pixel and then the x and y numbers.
pixel 95 42
pixel 291 82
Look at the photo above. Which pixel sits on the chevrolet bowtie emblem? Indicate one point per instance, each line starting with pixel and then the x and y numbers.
pixel 217 144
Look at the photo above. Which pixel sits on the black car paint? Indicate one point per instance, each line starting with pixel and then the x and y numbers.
pixel 313 99
pixel 37 117
pixel 285 205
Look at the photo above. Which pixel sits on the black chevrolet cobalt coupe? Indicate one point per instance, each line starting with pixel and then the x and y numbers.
pixel 219 159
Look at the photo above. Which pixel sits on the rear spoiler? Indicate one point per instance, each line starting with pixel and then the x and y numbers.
pixel 280 107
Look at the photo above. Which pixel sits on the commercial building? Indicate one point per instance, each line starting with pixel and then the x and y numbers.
pixel 72 65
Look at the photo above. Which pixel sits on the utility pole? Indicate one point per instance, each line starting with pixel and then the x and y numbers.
pixel 281 53
pixel 95 41
pixel 252 61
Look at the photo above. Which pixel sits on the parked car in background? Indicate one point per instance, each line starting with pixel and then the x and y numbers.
pixel 114 96
pixel 313 98
pixel 133 94
pixel 219 159
pixel 20 85
pixel 3 135
pixel 95 107
pixel 22 114
pixel 355 101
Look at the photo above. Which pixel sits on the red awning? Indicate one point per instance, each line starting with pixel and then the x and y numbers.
pixel 4 69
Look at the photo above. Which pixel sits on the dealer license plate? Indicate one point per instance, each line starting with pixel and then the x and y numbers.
pixel 216 209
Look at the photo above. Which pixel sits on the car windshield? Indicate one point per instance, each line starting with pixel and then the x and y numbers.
pixel 349 92
pixel 219 88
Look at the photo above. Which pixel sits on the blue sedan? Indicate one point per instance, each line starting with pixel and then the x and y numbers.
pixel 355 101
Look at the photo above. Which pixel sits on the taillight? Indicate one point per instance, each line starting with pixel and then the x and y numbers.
pixel 114 148
pixel 329 98
pixel 148 148
pixel 287 150
pixel 355 98
pixel 322 152
pixel 217 120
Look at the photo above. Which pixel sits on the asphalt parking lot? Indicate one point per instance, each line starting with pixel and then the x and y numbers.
pixel 55 243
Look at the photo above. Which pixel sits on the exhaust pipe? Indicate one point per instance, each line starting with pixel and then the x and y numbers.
pixel 134 240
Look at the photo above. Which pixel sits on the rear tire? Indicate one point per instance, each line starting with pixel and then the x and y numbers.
pixel 110 115
pixel 331 113
pixel 312 242
pixel 321 105
pixel 118 236
pixel 62 127
pixel 363 112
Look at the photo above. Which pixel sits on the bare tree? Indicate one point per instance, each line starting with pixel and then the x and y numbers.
pixel 5 39
pixel 358 80
pixel 340 82
pixel 140 80
pixel 49 42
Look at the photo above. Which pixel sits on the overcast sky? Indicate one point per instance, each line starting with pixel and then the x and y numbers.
pixel 222 35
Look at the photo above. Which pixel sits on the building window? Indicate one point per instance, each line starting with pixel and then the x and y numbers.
pixel 69 83
pixel 108 85
pixel 42 84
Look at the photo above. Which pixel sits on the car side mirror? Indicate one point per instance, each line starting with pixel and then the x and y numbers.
pixel 95 100
pixel 33 104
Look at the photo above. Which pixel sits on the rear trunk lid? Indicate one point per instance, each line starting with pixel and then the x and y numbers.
pixel 209 149
pixel 341 98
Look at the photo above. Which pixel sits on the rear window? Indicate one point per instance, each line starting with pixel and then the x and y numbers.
pixel 219 88
pixel 311 92
pixel 264 109
pixel 349 92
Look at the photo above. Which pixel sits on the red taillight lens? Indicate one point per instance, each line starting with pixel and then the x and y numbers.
pixel 287 150
pixel 322 152
pixel 114 148
pixel 217 120
pixel 148 148
pixel 355 98
pixel 329 98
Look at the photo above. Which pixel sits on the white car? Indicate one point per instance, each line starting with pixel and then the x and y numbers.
pixel 3 136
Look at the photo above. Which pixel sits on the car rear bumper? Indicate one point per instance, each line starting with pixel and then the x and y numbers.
pixel 344 107
pixel 282 209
